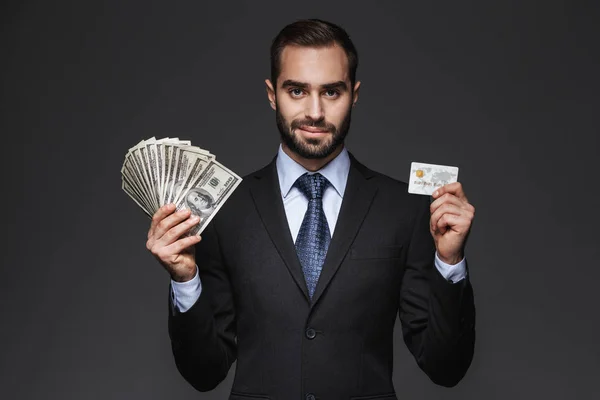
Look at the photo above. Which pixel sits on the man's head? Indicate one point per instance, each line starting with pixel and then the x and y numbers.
pixel 313 86
pixel 198 201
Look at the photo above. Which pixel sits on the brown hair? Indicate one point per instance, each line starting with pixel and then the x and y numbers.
pixel 312 33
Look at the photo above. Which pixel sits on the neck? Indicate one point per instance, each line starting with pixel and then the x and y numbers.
pixel 312 164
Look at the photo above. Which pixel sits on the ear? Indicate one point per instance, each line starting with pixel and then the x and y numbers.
pixel 355 93
pixel 271 94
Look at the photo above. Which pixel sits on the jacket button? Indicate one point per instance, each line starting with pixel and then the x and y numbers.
pixel 310 396
pixel 311 334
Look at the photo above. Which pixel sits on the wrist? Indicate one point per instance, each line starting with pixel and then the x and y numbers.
pixel 184 277
pixel 452 259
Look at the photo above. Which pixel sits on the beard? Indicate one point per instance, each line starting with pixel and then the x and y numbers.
pixel 312 148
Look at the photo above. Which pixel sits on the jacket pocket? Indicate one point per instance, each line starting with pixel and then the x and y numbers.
pixel 374 252
pixel 387 396
pixel 247 396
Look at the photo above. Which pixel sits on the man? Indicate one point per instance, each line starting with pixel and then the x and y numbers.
pixel 301 274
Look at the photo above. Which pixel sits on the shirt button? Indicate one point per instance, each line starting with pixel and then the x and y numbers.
pixel 311 334
pixel 310 396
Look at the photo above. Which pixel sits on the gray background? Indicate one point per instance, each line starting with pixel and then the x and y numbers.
pixel 505 90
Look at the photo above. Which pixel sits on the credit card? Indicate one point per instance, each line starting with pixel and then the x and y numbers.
pixel 426 178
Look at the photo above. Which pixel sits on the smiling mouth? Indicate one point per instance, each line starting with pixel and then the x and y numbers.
pixel 310 129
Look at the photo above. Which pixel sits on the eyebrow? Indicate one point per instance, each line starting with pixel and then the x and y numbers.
pixel 341 85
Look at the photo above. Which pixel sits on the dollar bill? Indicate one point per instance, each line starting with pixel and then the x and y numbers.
pixel 190 161
pixel 156 172
pixel 134 188
pixel 134 166
pixel 170 162
pixel 131 192
pixel 140 157
pixel 207 193
pixel 149 155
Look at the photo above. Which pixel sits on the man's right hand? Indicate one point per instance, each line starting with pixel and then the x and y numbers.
pixel 165 243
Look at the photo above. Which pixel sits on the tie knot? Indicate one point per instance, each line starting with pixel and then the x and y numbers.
pixel 312 186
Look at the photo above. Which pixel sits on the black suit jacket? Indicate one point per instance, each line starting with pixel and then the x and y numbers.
pixel 255 308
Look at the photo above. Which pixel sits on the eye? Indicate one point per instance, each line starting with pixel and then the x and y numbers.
pixel 332 93
pixel 295 92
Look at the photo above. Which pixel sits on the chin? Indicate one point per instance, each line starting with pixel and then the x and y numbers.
pixel 315 151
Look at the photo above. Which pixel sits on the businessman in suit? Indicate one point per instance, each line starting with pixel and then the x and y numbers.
pixel 301 274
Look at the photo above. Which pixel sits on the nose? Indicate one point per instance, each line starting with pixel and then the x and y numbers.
pixel 314 108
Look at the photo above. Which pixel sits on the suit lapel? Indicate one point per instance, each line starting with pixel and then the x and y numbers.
pixel 267 198
pixel 358 197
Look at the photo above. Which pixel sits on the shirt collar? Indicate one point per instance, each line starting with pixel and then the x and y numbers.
pixel 336 171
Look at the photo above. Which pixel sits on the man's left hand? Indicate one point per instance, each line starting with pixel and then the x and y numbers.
pixel 451 218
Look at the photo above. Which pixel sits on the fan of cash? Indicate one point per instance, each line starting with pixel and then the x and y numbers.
pixel 163 171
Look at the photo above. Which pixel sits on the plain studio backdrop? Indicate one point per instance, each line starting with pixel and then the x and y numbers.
pixel 505 90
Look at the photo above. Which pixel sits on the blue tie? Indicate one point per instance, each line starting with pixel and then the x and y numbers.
pixel 313 238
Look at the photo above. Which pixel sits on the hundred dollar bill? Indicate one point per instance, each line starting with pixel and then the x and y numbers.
pixel 168 170
pixel 137 168
pixel 152 168
pixel 207 193
pixel 131 192
pixel 141 158
pixel 170 163
pixel 159 166
pixel 167 150
pixel 133 182
pixel 190 162
pixel 133 187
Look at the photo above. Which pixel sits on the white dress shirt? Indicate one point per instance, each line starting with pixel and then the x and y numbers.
pixel 295 203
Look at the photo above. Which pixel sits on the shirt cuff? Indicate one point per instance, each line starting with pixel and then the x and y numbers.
pixel 453 273
pixel 185 294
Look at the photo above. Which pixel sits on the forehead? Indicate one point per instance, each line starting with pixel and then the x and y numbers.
pixel 314 65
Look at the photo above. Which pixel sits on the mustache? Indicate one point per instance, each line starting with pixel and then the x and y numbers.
pixel 321 124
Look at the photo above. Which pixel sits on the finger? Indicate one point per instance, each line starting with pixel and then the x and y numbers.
pixel 169 222
pixel 447 198
pixel 175 232
pixel 447 220
pixel 455 188
pixel 180 245
pixel 158 216
pixel 446 208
